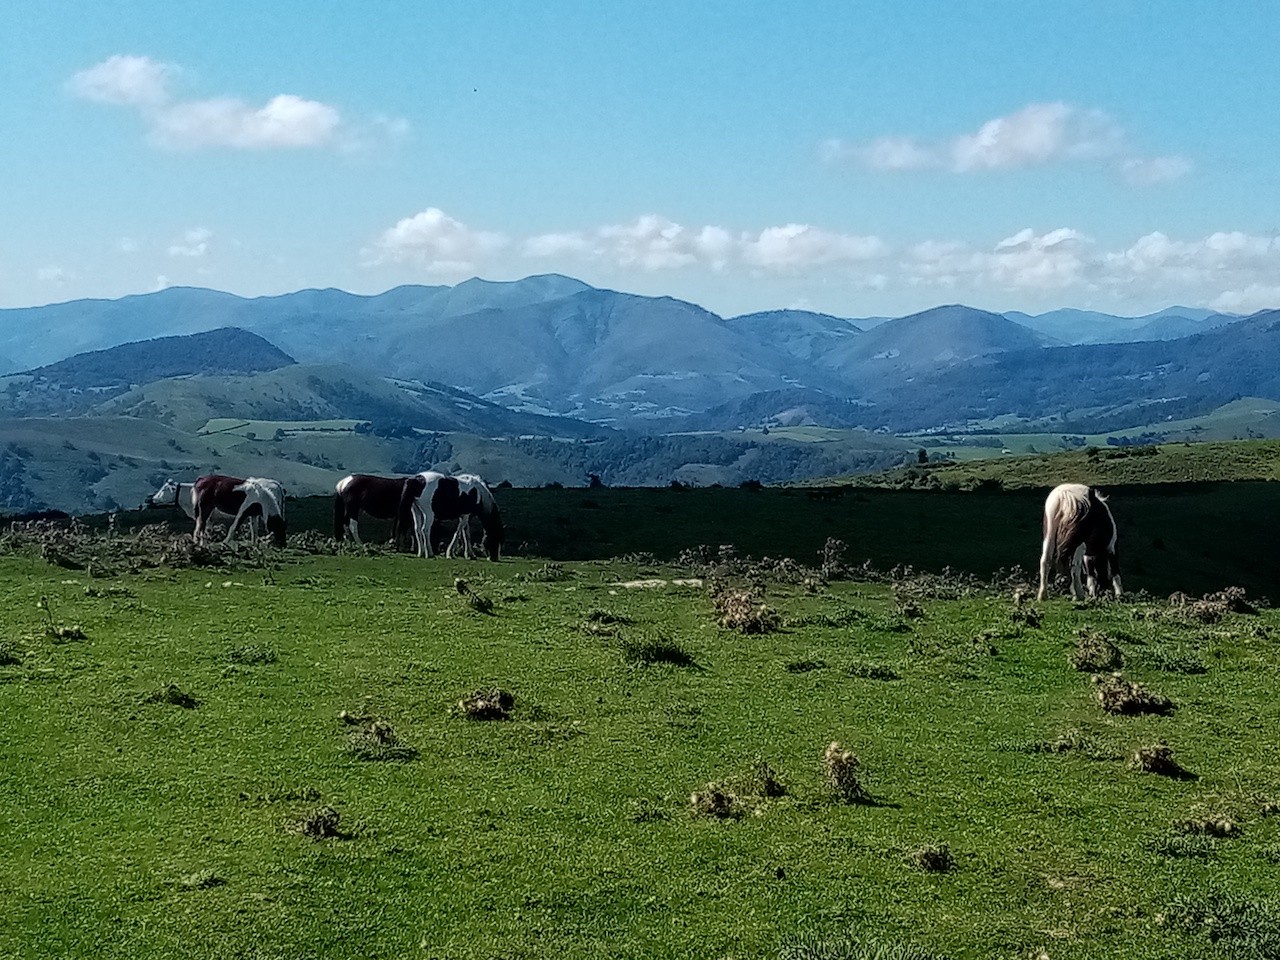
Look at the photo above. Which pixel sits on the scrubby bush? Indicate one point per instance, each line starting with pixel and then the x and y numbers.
pixel 1094 651
pixel 1117 695
pixel 840 771
pixel 491 703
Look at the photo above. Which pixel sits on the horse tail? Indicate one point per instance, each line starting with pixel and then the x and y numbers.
pixel 339 516
pixel 409 493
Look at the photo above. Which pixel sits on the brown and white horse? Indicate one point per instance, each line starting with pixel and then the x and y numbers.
pixel 252 498
pixel 429 497
pixel 1079 530
pixel 484 508
pixel 377 496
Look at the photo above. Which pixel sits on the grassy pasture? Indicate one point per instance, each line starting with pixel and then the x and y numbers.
pixel 136 828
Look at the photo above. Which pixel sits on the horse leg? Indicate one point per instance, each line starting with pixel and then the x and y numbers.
pixel 1046 567
pixel 353 527
pixel 459 536
pixel 428 522
pixel 1077 561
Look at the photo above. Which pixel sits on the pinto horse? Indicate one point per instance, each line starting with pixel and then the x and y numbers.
pixel 1079 530
pixel 485 509
pixel 377 496
pixel 252 498
pixel 429 497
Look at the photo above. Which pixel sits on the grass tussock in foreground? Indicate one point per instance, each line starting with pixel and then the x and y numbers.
pixel 612 796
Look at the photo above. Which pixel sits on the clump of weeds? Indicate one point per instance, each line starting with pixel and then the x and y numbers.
pixel 1127 697
pixel 1094 652
pixel 932 858
pixel 376 740
pixel 323 823
pixel 1158 758
pixel 477 602
pixel 490 703
pixel 744 610
pixel 734 798
pixel 840 771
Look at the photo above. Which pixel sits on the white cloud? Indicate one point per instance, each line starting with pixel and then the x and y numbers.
pixel 437 242
pixel 194 243
pixel 1228 270
pixel 653 242
pixel 1251 299
pixel 285 121
pixel 800 245
pixel 161 283
pixel 124 81
pixel 126 245
pixel 1037 135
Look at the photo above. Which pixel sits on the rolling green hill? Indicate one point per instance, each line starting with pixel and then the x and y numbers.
pixel 1103 466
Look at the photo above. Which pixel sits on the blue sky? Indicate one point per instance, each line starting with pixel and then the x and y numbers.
pixel 855 158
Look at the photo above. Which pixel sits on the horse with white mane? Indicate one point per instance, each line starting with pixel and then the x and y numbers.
pixel 252 498
pixel 1079 530
pixel 430 496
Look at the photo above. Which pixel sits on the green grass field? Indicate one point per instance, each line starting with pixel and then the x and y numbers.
pixel 136 828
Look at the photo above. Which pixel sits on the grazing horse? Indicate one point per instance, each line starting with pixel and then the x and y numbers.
pixel 1080 530
pixel 377 496
pixel 485 509
pixel 255 498
pixel 429 497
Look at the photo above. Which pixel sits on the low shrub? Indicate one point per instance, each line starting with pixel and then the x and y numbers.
pixel 1120 696
pixel 1094 652
pixel 840 771
pixel 491 703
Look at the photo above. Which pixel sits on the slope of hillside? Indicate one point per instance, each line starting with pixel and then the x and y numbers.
pixel 923 342
pixel 1097 388
pixel 326 392
pixel 799 333
pixel 78 383
pixel 1090 326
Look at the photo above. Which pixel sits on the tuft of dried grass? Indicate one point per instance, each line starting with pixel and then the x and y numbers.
pixel 840 771
pixel 491 703
pixel 1158 758
pixel 1025 616
pixel 733 798
pixel 1207 826
pixel 1094 652
pixel 744 611
pixel 1120 696
pixel 717 801
pixel 321 824
pixel 376 740
pixel 477 602
pixel 932 858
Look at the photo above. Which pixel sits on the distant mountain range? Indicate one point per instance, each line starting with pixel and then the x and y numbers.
pixel 554 347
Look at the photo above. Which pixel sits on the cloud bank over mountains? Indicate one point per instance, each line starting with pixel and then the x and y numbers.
pixel 1229 268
